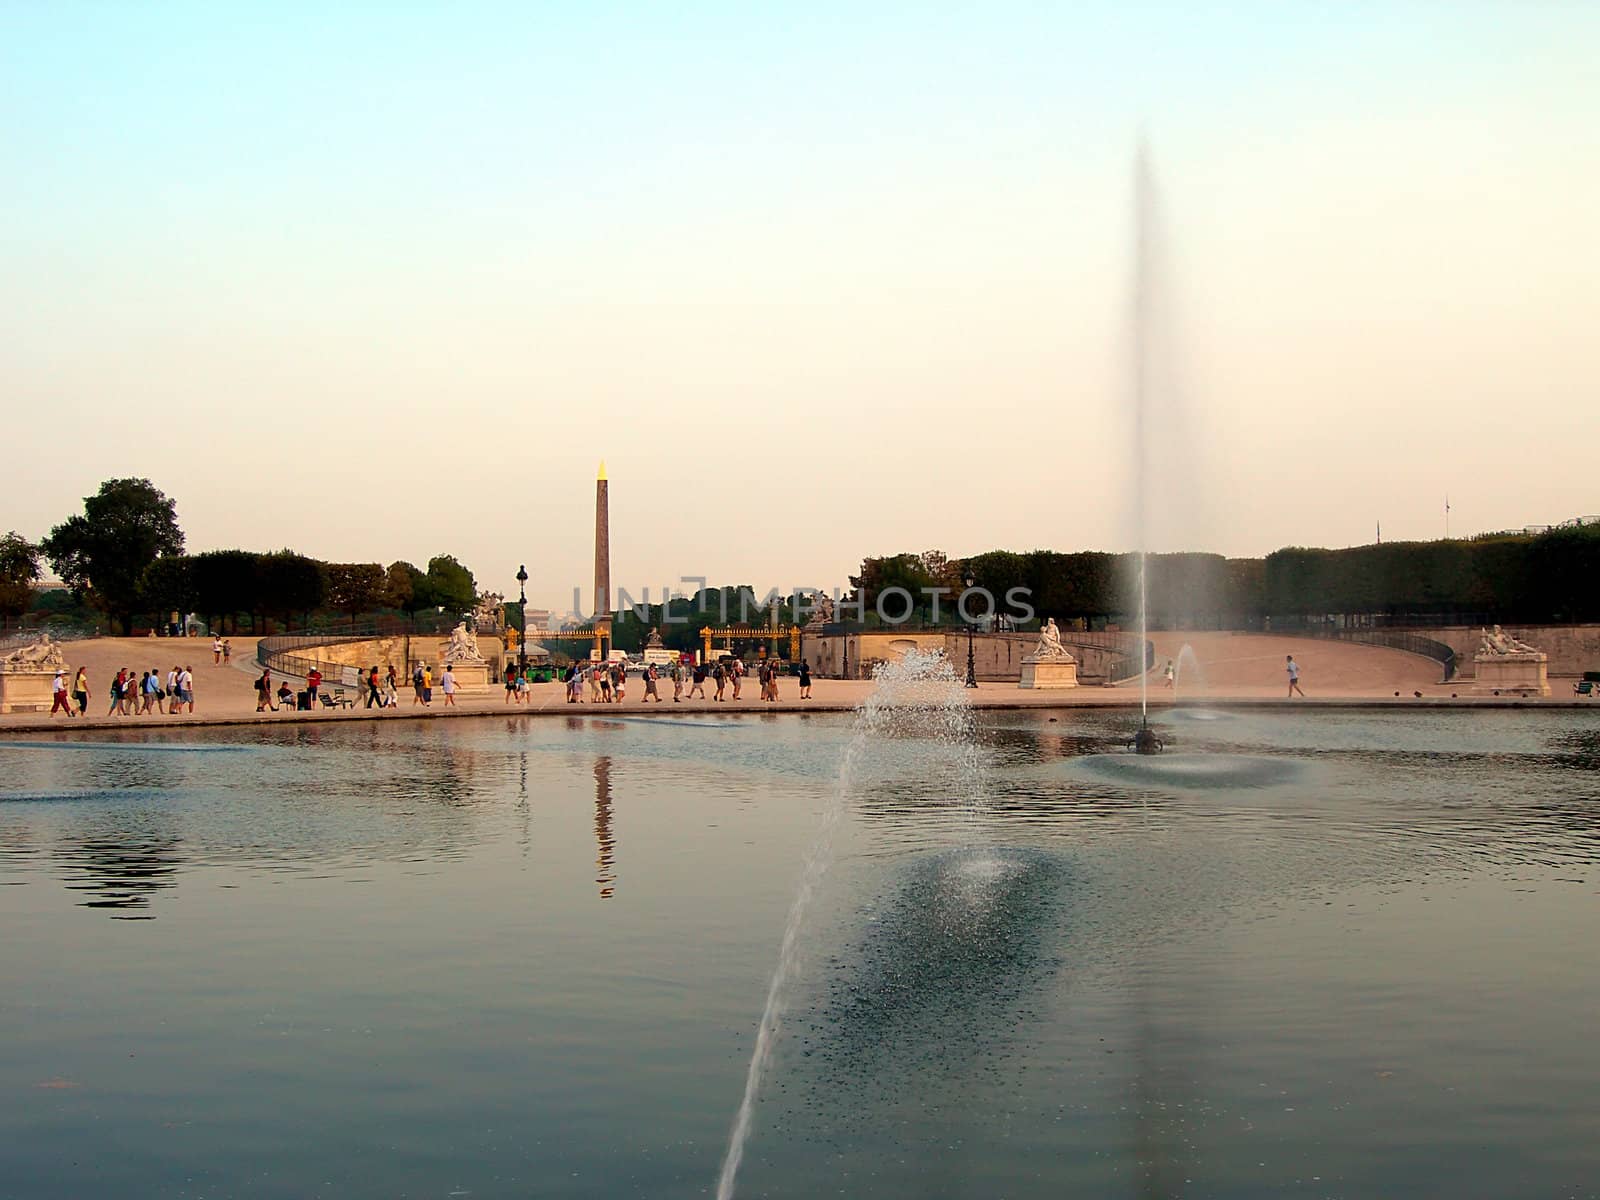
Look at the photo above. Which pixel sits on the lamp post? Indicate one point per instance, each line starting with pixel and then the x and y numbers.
pixel 972 672
pixel 522 641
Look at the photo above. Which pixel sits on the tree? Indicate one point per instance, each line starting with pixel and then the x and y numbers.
pixel 450 585
pixel 167 585
pixel 103 553
pixel 401 582
pixel 19 570
pixel 292 583
pixel 355 588
pixel 227 583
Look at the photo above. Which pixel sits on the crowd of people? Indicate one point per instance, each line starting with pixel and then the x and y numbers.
pixel 131 696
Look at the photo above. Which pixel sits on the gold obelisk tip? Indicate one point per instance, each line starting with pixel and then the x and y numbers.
pixel 602 474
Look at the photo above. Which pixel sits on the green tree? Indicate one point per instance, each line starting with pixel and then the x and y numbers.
pixel 355 588
pixel 19 570
pixel 292 583
pixel 103 552
pixel 227 583
pixel 401 583
pixel 167 586
pixel 450 585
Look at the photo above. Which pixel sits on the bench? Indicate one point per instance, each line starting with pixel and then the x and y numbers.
pixel 337 700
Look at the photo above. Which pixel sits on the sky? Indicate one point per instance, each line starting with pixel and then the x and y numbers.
pixel 382 281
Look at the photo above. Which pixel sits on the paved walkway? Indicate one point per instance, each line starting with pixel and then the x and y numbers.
pixel 1220 668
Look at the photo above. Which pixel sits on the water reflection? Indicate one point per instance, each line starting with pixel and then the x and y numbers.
pixel 605 840
pixel 121 871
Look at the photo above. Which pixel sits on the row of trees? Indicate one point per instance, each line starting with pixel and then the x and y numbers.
pixel 124 556
pixel 1088 585
pixel 1523 579
pixel 1549 577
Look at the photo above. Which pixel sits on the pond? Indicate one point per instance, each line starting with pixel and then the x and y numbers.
pixel 528 956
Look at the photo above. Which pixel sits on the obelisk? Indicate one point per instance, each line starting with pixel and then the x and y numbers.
pixel 602 566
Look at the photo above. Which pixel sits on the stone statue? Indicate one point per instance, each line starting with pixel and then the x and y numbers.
pixel 1498 642
pixel 463 645
pixel 654 640
pixel 488 614
pixel 822 614
pixel 43 655
pixel 1050 648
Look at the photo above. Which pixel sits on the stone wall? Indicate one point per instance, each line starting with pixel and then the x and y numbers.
pixel 996 657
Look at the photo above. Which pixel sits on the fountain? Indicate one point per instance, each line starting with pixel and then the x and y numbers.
pixel 919 694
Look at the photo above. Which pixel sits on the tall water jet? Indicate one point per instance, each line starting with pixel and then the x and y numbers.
pixel 1142 336
pixel 920 694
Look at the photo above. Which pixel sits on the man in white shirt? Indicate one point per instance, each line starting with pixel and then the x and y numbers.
pixel 447 681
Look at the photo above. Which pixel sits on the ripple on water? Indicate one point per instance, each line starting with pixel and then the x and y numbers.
pixel 1191 770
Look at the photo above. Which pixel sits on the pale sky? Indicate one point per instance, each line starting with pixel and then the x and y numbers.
pixel 383 281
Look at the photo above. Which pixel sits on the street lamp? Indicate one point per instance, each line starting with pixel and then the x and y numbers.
pixel 972 673
pixel 522 642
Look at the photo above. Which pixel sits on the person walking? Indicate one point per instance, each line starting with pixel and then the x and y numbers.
pixel 264 691
pixel 80 691
pixel 227 652
pixel 650 678
pixel 116 694
pixel 605 683
pixel 805 680
pixel 677 680
pixel 374 696
pixel 157 692
pixel 735 674
pixel 391 685
pixel 216 652
pixel 313 683
pixel 1168 676
pixel 511 682
pixel 186 687
pixel 720 674
pixel 1294 677
pixel 416 685
pixel 427 685
pixel 698 681
pixel 447 681
pixel 591 676
pixel 58 694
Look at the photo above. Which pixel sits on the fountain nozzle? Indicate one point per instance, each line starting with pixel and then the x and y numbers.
pixel 1145 741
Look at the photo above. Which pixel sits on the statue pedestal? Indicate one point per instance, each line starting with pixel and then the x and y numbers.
pixel 1048 673
pixel 26 691
pixel 470 674
pixel 1511 674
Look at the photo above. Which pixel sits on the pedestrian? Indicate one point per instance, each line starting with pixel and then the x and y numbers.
pixel 772 681
pixel 116 694
pixel 313 682
pixel 157 692
pixel 172 689
pixel 186 687
pixel 719 673
pixel 511 682
pixel 391 685
pixel 227 651
pixel 677 681
pixel 805 680
pixel 216 651
pixel 605 684
pixel 427 685
pixel 735 674
pixel 698 681
pixel 264 691
pixel 58 694
pixel 1168 676
pixel 80 691
pixel 591 676
pixel 374 696
pixel 1294 677
pixel 650 692
pixel 447 682
pixel 416 685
